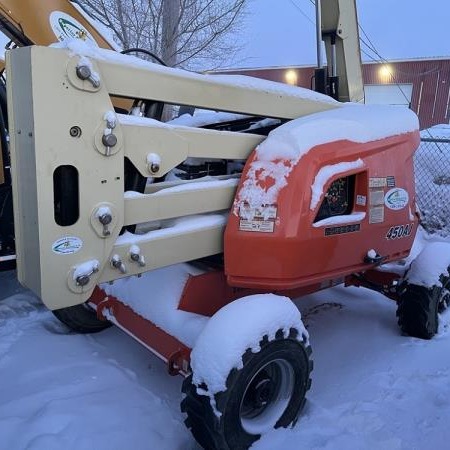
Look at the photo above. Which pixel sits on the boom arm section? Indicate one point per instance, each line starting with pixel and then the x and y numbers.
pixel 339 31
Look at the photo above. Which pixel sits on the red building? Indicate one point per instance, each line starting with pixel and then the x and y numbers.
pixel 421 84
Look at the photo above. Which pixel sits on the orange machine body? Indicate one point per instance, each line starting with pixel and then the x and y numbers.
pixel 292 243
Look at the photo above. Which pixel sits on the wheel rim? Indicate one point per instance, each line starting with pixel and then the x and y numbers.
pixel 267 396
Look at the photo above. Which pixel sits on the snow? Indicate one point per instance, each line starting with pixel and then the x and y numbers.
pixel 204 117
pixel 352 122
pixel 111 119
pixel 85 269
pixel 153 158
pixel 421 240
pixel 340 220
pixel 372 389
pixel 433 260
pixel 287 144
pixel 200 185
pixel 103 211
pixel 135 250
pixel 138 121
pixel 78 47
pixel 252 193
pixel 208 183
pixel 175 227
pixel 327 173
pixel 228 334
pixel 155 296
pixel 367 383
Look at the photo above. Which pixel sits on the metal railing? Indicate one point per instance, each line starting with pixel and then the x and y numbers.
pixel 432 172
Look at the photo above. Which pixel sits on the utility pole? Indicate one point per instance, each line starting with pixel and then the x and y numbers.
pixel 170 21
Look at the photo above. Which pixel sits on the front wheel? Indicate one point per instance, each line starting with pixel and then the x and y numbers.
pixel 267 392
pixel 81 319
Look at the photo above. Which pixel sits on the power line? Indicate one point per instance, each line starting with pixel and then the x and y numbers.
pixel 302 12
pixel 371 47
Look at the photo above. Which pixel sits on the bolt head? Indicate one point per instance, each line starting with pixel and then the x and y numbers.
pixel 105 219
pixel 82 280
pixel 109 140
pixel 154 167
pixel 83 72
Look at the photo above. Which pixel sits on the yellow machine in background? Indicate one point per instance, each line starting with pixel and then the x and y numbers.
pixel 28 22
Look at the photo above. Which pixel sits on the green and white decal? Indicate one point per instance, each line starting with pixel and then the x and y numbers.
pixel 66 27
pixel 67 245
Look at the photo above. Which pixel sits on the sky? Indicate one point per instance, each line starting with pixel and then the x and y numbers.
pixel 279 33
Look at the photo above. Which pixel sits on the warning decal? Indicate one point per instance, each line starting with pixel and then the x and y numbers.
pixel 260 219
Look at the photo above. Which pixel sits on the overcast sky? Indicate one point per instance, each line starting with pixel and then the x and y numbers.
pixel 276 32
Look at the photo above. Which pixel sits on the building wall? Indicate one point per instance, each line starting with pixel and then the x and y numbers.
pixel 430 79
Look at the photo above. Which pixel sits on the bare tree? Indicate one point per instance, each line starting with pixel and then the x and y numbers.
pixel 194 34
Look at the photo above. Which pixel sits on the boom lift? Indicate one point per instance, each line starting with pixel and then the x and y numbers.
pixel 189 267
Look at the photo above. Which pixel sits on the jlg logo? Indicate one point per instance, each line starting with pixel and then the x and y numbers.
pixel 66 27
pixel 396 199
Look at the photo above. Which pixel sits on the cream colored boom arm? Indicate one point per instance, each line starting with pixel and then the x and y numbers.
pixel 59 120
pixel 341 37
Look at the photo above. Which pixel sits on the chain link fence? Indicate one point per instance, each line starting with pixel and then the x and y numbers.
pixel 432 171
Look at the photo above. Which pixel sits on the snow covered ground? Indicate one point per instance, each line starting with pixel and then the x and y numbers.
pixel 372 388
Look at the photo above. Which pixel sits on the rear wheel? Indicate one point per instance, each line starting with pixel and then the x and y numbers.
pixel 81 318
pixel 418 308
pixel 267 392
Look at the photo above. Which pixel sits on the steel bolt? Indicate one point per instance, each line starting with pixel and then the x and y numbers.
pixel 105 219
pixel 109 140
pixel 137 258
pixel 83 280
pixel 84 73
pixel 117 263
pixel 154 167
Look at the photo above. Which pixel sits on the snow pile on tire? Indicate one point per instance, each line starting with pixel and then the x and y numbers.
pixel 432 262
pixel 236 327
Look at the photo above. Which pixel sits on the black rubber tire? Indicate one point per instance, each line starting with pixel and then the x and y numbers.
pixel 418 308
pixel 227 432
pixel 81 318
